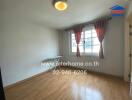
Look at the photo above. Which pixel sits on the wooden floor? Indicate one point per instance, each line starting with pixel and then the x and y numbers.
pixel 90 86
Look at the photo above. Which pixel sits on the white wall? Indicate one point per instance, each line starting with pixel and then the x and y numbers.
pixel 129 10
pixel 60 42
pixel 23 45
pixel 113 46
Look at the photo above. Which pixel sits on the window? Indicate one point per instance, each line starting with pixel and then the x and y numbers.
pixel 89 43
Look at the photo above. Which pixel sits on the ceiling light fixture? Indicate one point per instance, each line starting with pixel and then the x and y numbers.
pixel 60 5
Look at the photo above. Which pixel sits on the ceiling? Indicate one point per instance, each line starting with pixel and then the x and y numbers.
pixel 79 11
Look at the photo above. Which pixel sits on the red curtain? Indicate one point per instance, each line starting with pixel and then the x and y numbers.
pixel 100 27
pixel 78 31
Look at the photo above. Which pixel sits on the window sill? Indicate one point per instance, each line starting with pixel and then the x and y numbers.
pixel 85 55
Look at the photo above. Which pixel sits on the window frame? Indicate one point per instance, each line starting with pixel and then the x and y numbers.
pixel 82 53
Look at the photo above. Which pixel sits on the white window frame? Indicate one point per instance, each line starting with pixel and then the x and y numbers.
pixel 82 53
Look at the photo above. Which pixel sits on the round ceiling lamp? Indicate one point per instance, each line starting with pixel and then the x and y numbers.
pixel 60 5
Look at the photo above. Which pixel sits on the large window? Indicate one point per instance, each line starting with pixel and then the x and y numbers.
pixel 89 43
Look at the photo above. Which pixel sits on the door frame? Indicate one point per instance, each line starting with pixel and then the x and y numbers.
pixel 128 51
pixel 128 16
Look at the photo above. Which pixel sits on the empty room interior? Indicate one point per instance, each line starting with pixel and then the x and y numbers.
pixel 65 49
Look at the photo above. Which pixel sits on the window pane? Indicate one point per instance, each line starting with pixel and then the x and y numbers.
pixel 73 35
pixel 93 30
pixel 94 34
pixel 87 42
pixel 88 45
pixel 74 44
pixel 95 41
pixel 73 38
pixel 81 48
pixel 87 31
pixel 74 49
pixel 88 35
pixel 88 49
pixel 81 42
pixel 96 49
pixel 82 34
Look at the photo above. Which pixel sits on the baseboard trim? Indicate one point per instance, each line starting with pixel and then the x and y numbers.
pixel 27 79
pixel 91 71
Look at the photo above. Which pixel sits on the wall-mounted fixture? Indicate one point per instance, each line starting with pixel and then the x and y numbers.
pixel 60 5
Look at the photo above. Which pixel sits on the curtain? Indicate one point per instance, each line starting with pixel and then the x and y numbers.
pixel 100 27
pixel 77 31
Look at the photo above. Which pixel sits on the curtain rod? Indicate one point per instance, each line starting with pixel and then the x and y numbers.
pixel 88 23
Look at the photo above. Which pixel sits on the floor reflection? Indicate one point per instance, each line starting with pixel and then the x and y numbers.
pixel 81 92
